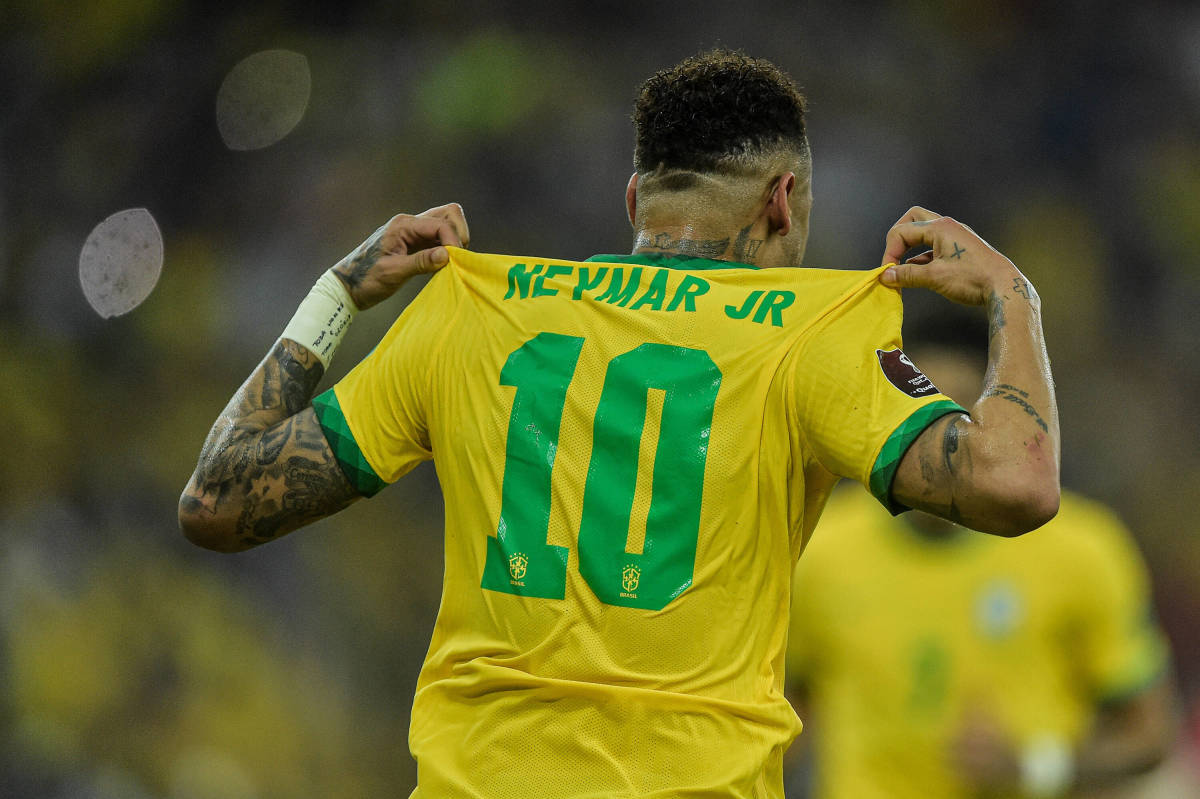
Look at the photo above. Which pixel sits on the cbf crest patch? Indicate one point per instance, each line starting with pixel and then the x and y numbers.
pixel 902 373
pixel 631 576
pixel 517 564
pixel 999 609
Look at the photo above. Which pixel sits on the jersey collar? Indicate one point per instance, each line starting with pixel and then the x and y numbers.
pixel 670 260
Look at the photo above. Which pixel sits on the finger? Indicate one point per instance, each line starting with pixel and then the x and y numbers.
pixel 904 236
pixel 915 214
pixel 430 259
pixel 903 276
pixel 921 258
pixel 418 232
pixel 453 213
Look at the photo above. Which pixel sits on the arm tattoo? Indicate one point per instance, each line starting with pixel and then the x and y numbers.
pixel 950 445
pixel 251 464
pixel 1017 396
pixel 996 320
pixel 697 248
pixel 355 267
pixel 1024 288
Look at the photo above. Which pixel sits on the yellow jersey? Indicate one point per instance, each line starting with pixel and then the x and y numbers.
pixel 899 639
pixel 632 450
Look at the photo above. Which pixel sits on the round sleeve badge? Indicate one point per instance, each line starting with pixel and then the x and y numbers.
pixel 902 373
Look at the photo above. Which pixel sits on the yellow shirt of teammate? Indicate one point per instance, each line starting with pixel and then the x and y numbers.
pixel 900 640
pixel 632 451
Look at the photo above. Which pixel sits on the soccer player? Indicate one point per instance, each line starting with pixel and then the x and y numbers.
pixel 634 448
pixel 935 663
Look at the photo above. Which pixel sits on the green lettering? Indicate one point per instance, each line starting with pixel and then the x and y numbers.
pixel 655 294
pixel 688 290
pixel 519 561
pixel 619 294
pixel 744 311
pixel 775 302
pixel 518 280
pixel 551 272
pixel 587 285
pixel 665 566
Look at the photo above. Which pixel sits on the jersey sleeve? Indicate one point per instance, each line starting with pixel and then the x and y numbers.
pixel 860 400
pixel 1122 648
pixel 376 417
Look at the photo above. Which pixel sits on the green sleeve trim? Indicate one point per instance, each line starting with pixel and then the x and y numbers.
pixel 345 448
pixel 1148 669
pixel 884 470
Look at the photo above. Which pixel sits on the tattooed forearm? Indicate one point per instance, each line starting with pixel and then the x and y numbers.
pixel 250 471
pixel 1017 396
pixel 354 267
pixel 699 248
pixel 996 319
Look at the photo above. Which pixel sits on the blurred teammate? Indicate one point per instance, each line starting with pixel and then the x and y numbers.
pixel 939 663
pixel 634 448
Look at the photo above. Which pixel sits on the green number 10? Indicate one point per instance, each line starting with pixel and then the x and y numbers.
pixel 519 561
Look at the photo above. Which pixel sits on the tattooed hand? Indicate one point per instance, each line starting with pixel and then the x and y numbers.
pixel 961 266
pixel 407 245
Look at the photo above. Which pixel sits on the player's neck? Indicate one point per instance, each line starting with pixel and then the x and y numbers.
pixel 718 242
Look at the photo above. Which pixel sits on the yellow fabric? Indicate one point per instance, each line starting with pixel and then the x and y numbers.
pixel 899 640
pixel 574 697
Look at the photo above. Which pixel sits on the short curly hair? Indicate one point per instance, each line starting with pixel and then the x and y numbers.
pixel 715 111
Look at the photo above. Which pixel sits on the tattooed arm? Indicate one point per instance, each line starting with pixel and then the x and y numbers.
pixel 995 470
pixel 265 468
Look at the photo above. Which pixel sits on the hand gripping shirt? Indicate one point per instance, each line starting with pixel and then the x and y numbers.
pixel 633 451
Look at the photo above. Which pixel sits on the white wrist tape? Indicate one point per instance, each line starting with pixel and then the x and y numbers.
pixel 1047 766
pixel 322 318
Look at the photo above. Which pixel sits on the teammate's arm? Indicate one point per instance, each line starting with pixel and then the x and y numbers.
pixel 1128 738
pixel 995 470
pixel 266 468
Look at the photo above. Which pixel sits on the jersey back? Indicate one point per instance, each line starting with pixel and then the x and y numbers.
pixel 633 451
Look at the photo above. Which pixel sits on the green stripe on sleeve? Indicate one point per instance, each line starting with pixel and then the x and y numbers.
pixel 345 448
pixel 884 470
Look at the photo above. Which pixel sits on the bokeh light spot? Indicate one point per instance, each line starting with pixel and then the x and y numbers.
pixel 121 261
pixel 263 98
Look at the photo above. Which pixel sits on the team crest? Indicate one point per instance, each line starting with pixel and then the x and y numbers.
pixel 999 609
pixel 630 577
pixel 517 564
pixel 902 373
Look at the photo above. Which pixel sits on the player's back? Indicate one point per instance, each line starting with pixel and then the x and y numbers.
pixel 632 452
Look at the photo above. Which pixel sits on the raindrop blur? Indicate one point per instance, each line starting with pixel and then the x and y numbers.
pixel 262 98
pixel 121 261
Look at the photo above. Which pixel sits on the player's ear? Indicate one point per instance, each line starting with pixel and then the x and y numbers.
pixel 779 210
pixel 631 199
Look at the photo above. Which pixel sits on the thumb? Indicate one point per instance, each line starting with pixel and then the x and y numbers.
pixel 430 260
pixel 908 276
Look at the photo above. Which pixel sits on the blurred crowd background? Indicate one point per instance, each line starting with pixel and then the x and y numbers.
pixel 135 665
